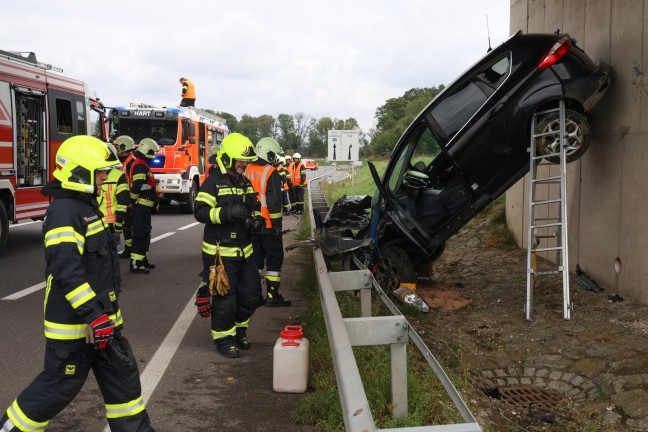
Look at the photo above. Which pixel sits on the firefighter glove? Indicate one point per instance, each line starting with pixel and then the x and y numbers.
pixel 238 211
pixel 102 331
pixel 202 302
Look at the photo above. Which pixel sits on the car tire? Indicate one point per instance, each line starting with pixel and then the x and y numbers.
pixel 4 226
pixel 577 132
pixel 189 198
pixel 394 268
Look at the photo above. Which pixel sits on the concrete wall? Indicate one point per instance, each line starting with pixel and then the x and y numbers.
pixel 608 187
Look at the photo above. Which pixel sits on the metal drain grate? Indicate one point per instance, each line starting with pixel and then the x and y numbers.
pixel 521 397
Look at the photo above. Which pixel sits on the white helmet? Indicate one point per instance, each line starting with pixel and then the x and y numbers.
pixel 296 156
pixel 268 149
pixel 148 147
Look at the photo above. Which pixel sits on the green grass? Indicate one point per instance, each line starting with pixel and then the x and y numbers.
pixel 363 183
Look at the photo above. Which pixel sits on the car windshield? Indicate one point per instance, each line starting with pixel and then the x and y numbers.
pixel 164 132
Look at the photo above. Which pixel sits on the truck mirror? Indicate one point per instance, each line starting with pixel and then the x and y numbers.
pixel 192 131
pixel 192 140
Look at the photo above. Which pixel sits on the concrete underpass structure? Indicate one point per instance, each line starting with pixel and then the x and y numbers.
pixel 607 188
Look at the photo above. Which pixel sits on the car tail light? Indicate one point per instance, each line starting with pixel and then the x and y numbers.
pixel 555 53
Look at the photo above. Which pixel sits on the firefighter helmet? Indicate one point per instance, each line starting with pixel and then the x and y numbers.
pixel 148 147
pixel 282 160
pixel 77 160
pixel 124 143
pixel 268 149
pixel 296 156
pixel 213 152
pixel 234 147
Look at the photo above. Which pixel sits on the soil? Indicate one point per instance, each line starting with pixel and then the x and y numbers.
pixel 589 373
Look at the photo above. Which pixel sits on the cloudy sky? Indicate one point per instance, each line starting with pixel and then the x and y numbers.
pixel 323 58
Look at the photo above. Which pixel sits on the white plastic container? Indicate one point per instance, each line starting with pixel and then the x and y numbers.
pixel 290 361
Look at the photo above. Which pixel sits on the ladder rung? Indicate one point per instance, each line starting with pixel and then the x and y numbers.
pixel 546 201
pixel 543 273
pixel 547 249
pixel 546 179
pixel 547 218
pixel 546 225
pixel 548 155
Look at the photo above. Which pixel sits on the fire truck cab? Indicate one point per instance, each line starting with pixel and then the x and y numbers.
pixel 185 136
pixel 39 109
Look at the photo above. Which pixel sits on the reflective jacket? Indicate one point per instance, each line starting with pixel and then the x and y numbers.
pixel 283 172
pixel 115 197
pixel 298 174
pixel 266 181
pixel 126 167
pixel 81 265
pixel 188 90
pixel 142 189
pixel 218 192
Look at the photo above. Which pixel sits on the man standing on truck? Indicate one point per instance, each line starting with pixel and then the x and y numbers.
pixel 268 245
pixel 188 93
pixel 144 200
pixel 225 204
pixel 83 322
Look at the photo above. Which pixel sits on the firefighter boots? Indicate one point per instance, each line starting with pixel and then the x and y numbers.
pixel 242 342
pixel 274 298
pixel 138 267
pixel 227 347
pixel 149 265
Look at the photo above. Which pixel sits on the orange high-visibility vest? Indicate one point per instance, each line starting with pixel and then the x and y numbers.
pixel 258 176
pixel 191 91
pixel 295 175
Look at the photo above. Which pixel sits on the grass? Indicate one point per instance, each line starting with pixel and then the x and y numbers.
pixel 363 183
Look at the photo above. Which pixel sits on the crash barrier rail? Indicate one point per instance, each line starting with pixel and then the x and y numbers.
pixel 395 331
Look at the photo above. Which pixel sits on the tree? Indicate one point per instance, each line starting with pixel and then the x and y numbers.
pixel 256 128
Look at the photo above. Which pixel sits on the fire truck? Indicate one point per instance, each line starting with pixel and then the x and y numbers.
pixel 39 109
pixel 184 135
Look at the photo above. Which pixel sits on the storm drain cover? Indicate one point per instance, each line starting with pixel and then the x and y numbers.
pixel 521 397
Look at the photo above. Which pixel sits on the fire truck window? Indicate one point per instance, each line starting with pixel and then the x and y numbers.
pixel 201 148
pixel 95 124
pixel 64 116
pixel 81 124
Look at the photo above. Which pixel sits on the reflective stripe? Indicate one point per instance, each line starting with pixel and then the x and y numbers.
pixel 137 257
pixel 127 409
pixel 146 187
pixel 80 295
pixel 221 334
pixel 7 426
pixel 145 202
pixel 206 198
pixel 95 228
pixel 120 208
pixel 275 215
pixel 117 318
pixel 65 331
pixel 64 234
pixel 228 251
pixel 134 196
pixel 139 177
pixel 273 278
pixel 244 324
pixel 121 188
pixel 214 215
pixel 21 421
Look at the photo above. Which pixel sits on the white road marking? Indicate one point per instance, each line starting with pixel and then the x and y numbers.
pixel 21 224
pixel 160 237
pixel 160 361
pixel 25 292
pixel 188 226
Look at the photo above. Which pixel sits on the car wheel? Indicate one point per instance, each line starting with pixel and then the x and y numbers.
pixel 394 267
pixel 189 198
pixel 577 132
pixel 4 226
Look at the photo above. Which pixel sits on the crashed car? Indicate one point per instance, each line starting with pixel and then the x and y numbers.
pixel 470 144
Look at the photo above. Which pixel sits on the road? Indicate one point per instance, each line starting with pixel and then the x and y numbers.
pixel 186 384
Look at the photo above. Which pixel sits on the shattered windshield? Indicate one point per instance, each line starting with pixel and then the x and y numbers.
pixel 164 132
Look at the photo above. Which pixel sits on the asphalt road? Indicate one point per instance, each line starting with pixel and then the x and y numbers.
pixel 186 384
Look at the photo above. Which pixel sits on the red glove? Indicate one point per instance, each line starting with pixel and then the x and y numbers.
pixel 202 302
pixel 103 331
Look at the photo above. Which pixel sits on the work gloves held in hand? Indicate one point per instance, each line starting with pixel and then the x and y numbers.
pixel 102 332
pixel 202 302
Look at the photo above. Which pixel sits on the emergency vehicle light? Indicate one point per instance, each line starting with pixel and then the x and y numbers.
pixel 158 162
pixel 174 110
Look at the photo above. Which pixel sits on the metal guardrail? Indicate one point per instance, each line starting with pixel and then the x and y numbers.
pixel 395 331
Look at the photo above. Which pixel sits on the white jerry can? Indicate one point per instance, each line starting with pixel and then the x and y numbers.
pixel 290 361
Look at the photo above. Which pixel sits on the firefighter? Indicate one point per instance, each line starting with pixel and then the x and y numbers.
pixel 298 178
pixel 114 199
pixel 291 190
pixel 145 201
pixel 83 321
pixel 225 204
pixel 283 172
pixel 188 93
pixel 125 149
pixel 268 246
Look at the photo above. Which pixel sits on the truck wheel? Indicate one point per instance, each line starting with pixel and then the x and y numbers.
pixel 189 198
pixel 4 226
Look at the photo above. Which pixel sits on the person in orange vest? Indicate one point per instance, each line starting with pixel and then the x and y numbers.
pixel 125 149
pixel 291 190
pixel 267 244
pixel 298 178
pixel 283 172
pixel 188 93
pixel 114 199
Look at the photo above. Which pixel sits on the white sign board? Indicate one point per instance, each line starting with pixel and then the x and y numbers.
pixel 343 145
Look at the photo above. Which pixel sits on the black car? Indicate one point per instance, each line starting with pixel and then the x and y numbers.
pixel 470 144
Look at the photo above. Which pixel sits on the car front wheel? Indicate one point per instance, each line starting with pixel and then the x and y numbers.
pixel 577 134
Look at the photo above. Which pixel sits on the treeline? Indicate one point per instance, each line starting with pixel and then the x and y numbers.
pixel 307 135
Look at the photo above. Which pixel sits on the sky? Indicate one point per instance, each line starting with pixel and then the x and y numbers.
pixel 331 58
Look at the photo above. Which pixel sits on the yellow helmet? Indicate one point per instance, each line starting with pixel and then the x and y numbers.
pixel 148 147
pixel 213 152
pixel 124 143
pixel 296 156
pixel 268 149
pixel 77 160
pixel 234 147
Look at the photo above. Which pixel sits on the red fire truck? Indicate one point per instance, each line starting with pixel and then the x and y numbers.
pixel 39 109
pixel 185 136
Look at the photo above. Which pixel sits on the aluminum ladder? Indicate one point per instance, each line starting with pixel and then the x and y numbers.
pixel 547 215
